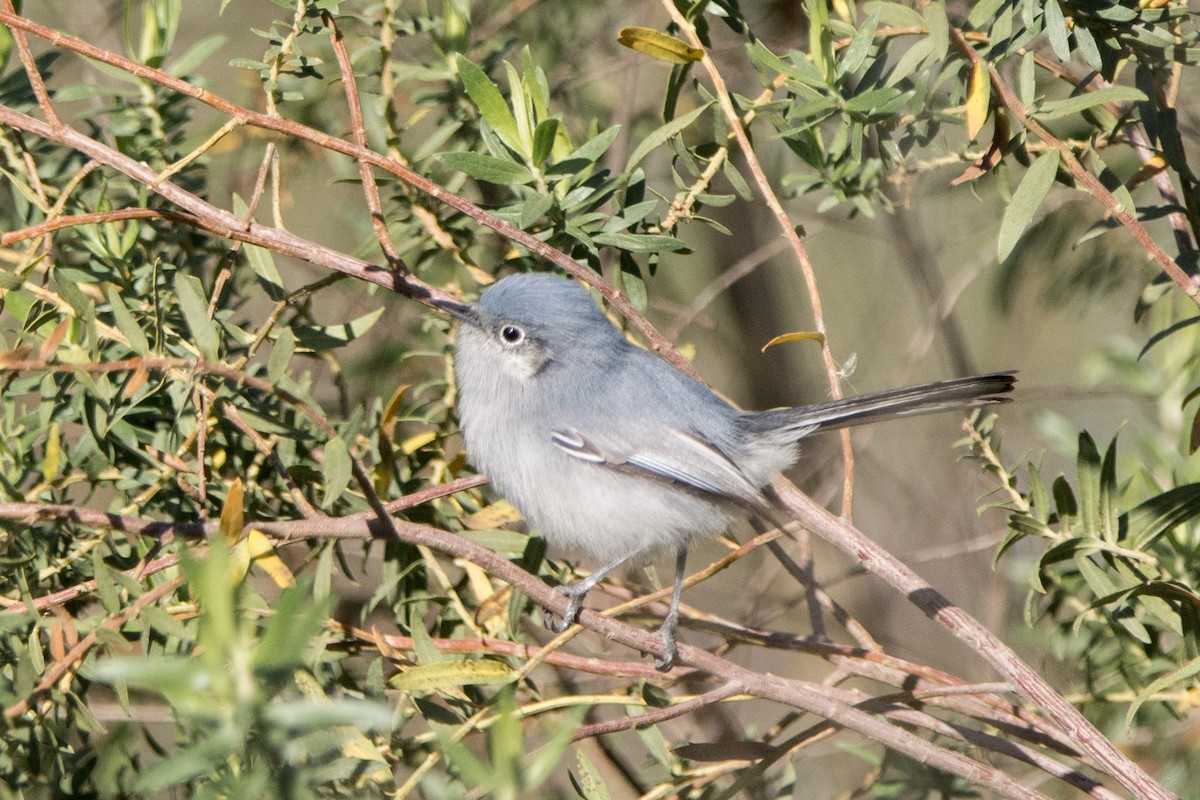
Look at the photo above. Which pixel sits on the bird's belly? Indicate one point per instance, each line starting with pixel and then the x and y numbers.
pixel 577 505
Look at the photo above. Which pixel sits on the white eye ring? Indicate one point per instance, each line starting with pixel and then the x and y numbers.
pixel 511 334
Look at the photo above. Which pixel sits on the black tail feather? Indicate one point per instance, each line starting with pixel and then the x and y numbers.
pixel 927 398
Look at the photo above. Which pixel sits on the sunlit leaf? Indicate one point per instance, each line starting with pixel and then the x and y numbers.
pixel 659 45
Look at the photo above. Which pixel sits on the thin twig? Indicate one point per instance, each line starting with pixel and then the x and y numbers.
pixel 841 533
pixel 289 244
pixel 789 231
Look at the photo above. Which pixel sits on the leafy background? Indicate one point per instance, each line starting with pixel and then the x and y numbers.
pixel 193 425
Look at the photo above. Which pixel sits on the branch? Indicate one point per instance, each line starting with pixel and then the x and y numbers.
pixel 1113 207
pixel 408 286
pixel 790 233
pixel 842 534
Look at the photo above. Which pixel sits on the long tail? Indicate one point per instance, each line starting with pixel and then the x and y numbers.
pixel 928 398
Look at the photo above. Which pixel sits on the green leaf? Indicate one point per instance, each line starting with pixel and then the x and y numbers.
pixel 534 209
pixel 1178 675
pixel 1056 31
pixel 196 55
pixel 263 264
pixel 1055 109
pixel 126 324
pixel 662 134
pixel 281 355
pixel 1107 499
pixel 939 30
pixel 1086 45
pixel 856 52
pixel 190 762
pixel 543 140
pixel 1161 514
pixel 329 337
pixel 1087 467
pixel 337 470
pixel 640 243
pixel 586 778
pixel 487 98
pixel 298 618
pixel 195 312
pixel 590 151
pixel 487 168
pixel 1026 200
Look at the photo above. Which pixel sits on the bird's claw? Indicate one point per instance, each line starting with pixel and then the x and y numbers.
pixel 570 616
pixel 670 651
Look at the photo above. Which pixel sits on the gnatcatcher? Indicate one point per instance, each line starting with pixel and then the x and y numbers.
pixel 609 449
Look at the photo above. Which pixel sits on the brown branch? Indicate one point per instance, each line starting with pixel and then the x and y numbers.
pixel 216 220
pixel 511 649
pixel 809 697
pixel 842 534
pixel 358 127
pixel 60 668
pixel 31 70
pixel 287 243
pixel 95 218
pixel 656 716
pixel 1113 207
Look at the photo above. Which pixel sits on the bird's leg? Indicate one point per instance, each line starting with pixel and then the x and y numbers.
pixel 575 592
pixel 666 631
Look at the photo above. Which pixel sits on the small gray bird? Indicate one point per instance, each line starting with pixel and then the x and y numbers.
pixel 608 449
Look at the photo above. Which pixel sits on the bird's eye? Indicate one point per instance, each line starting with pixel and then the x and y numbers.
pixel 511 334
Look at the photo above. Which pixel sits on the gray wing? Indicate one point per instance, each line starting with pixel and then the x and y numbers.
pixel 681 457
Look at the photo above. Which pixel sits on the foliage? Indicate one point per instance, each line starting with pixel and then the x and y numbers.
pixel 201 596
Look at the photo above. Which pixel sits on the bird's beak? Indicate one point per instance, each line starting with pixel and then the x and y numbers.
pixel 460 311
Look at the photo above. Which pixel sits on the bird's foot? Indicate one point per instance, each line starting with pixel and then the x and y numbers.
pixel 574 596
pixel 666 632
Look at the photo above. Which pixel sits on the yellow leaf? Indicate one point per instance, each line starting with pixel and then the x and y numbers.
pixel 387 420
pixel 53 452
pixel 232 512
pixel 414 443
pixel 469 672
pixel 659 45
pixel 496 515
pixel 385 470
pixel 262 553
pixel 978 95
pixel 797 336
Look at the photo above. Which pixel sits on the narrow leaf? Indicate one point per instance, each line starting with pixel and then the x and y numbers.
pixel 195 311
pixel 796 336
pixel 487 168
pixel 662 134
pixel 978 96
pixel 1056 30
pixel 337 470
pixel 126 324
pixel 469 672
pixel 489 101
pixel 1055 109
pixel 1025 201
pixel 658 45
pixel 281 355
